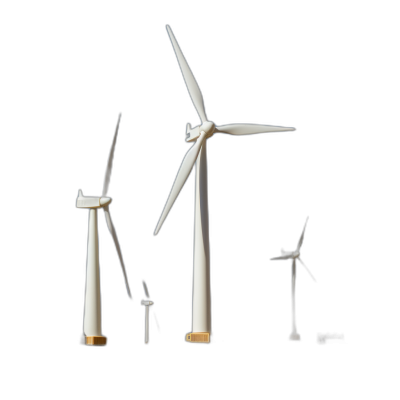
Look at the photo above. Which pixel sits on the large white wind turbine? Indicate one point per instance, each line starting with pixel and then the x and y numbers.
pixel 201 312
pixel 92 313
pixel 294 255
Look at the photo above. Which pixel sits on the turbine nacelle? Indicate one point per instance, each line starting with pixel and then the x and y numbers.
pixel 290 254
pixel 293 254
pixel 91 202
pixel 193 133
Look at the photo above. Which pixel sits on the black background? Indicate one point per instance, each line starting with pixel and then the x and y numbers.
pixel 290 69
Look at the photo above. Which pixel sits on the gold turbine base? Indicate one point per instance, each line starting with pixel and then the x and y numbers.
pixel 96 340
pixel 198 337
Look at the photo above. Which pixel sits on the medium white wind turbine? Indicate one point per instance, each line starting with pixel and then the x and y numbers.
pixel 92 313
pixel 201 312
pixel 294 255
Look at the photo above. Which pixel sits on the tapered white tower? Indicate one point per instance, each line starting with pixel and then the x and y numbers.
pixel 92 313
pixel 197 154
pixel 201 312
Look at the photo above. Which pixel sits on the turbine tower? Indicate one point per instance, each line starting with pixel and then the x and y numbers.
pixel 201 311
pixel 92 313
pixel 295 255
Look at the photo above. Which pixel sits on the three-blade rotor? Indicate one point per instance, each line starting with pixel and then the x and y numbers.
pixel 147 294
pixel 202 132
pixel 296 254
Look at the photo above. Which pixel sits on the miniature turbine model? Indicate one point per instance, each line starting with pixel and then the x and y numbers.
pixel 201 312
pixel 147 304
pixel 294 255
pixel 92 314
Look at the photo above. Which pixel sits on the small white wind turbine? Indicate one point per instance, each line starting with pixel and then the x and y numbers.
pixel 295 255
pixel 201 312
pixel 92 312
pixel 147 303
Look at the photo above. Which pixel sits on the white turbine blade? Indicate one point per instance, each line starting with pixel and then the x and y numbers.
pixel 302 236
pixel 284 257
pixel 183 173
pixel 192 86
pixel 110 160
pixel 114 236
pixel 304 265
pixel 250 129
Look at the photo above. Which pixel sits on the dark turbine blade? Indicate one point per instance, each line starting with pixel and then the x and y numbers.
pixel 284 257
pixel 146 291
pixel 302 236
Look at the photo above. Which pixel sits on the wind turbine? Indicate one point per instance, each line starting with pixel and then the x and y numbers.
pixel 295 255
pixel 201 311
pixel 92 311
pixel 147 303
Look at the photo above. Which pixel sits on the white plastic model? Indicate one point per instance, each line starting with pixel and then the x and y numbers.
pixel 294 255
pixel 147 304
pixel 92 313
pixel 201 321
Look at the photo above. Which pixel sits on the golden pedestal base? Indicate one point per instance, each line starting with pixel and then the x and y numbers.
pixel 96 340
pixel 198 337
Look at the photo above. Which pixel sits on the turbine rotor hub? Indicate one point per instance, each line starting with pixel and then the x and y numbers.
pixel 105 201
pixel 208 127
